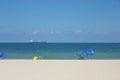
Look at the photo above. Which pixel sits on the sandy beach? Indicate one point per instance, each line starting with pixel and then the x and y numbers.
pixel 60 70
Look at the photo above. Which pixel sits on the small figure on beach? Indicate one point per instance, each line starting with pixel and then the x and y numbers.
pixel 79 56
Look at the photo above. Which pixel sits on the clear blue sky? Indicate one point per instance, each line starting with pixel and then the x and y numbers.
pixel 60 20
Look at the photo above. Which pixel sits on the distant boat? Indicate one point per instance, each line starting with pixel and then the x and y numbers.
pixel 31 41
pixel 40 42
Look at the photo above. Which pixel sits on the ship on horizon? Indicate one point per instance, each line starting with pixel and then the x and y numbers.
pixel 31 41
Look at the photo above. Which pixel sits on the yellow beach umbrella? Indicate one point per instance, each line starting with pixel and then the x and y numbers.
pixel 35 58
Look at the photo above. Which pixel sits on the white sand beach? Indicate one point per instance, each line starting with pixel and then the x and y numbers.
pixel 60 70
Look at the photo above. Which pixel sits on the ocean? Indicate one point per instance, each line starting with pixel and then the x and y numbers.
pixel 63 51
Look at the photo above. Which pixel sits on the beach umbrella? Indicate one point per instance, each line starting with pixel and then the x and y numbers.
pixel 35 58
pixel 2 55
pixel 86 52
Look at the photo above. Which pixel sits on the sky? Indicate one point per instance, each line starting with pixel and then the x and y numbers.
pixel 60 20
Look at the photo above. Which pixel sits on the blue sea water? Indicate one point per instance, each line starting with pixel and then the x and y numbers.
pixel 59 50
